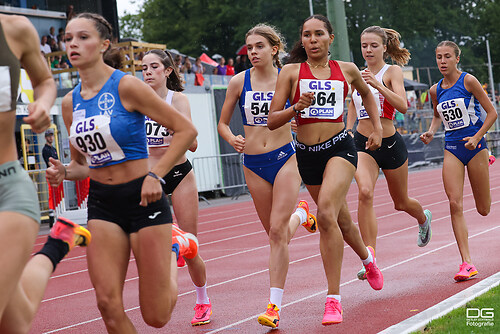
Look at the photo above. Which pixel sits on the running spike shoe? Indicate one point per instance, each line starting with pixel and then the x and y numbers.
pixel 373 274
pixel 270 318
pixel 311 224
pixel 202 313
pixel 71 233
pixel 466 271
pixel 333 312
pixel 188 243
pixel 425 233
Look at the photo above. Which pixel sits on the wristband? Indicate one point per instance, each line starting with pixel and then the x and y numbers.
pixel 295 110
pixel 349 130
pixel 153 175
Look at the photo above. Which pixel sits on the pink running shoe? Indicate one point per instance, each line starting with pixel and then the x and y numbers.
pixel 188 243
pixel 491 159
pixel 311 225
pixel 466 271
pixel 333 312
pixel 202 313
pixel 373 274
pixel 71 233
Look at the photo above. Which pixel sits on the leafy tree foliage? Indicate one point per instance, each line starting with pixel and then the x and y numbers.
pixel 219 26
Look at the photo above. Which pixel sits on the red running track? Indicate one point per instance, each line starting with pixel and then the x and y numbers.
pixel 235 248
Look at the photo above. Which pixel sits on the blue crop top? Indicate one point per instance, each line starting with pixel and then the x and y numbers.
pixel 103 130
pixel 254 105
pixel 459 110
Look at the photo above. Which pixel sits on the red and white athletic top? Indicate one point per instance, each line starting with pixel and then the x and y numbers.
pixel 385 109
pixel 330 94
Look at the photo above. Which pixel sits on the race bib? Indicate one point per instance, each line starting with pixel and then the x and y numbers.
pixel 328 100
pixel 454 114
pixel 157 134
pixel 257 107
pixel 360 108
pixel 92 137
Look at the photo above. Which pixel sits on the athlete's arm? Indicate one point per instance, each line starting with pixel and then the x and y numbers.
pixel 352 74
pixel 136 95
pixel 181 103
pixel 233 92
pixel 43 84
pixel 77 168
pixel 427 136
pixel 394 78
pixel 277 115
pixel 473 86
pixel 351 116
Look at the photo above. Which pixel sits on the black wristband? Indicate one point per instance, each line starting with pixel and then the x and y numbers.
pixel 295 110
pixel 153 175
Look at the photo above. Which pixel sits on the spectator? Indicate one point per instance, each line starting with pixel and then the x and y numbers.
pixel 70 13
pixel 44 46
pixel 198 66
pixel 241 64
pixel 53 44
pixel 187 67
pixel 52 33
pixel 221 68
pixel 178 63
pixel 230 67
pixel 60 40
pixel 49 150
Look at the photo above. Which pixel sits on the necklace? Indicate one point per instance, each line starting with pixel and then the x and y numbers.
pixel 316 66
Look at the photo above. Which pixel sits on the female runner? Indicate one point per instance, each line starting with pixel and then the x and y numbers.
pixel 127 208
pixel 269 158
pixel 326 154
pixel 23 280
pixel 456 99
pixel 160 73
pixel 387 85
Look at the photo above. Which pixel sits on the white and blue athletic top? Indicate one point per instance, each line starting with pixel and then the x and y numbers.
pixel 103 130
pixel 254 105
pixel 459 110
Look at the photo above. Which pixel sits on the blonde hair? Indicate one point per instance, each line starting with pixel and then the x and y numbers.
pixel 452 45
pixel 273 37
pixel 390 38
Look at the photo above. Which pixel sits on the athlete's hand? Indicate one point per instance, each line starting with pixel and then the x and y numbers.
pixel 374 141
pixel 238 143
pixel 471 143
pixel 305 100
pixel 427 137
pixel 38 118
pixel 55 173
pixel 151 191
pixel 369 78
pixel 294 126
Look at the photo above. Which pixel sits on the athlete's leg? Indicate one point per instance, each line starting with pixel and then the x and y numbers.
pixel 262 196
pixel 479 176
pixel 397 182
pixel 366 178
pixel 350 232
pixel 185 205
pixel 108 258
pixel 22 283
pixel 283 223
pixel 157 269
pixel 453 180
pixel 329 197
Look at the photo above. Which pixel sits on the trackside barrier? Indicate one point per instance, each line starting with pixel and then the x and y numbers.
pixel 220 172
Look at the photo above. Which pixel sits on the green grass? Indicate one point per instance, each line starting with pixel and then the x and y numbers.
pixel 455 322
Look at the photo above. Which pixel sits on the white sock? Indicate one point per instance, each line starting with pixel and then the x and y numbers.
pixel 368 259
pixel 201 294
pixel 334 296
pixel 302 214
pixel 276 297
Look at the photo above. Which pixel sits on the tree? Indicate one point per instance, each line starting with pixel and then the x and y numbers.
pixel 130 26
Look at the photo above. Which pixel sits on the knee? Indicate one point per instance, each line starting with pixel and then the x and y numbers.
pixel 111 309
pixel 325 221
pixel 277 234
pixel 365 194
pixel 456 207
pixel 156 320
pixel 484 208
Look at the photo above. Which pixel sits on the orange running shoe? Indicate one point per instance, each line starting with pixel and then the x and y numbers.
pixel 311 225
pixel 270 318
pixel 71 233
pixel 188 243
